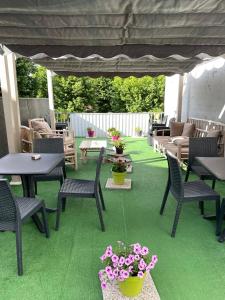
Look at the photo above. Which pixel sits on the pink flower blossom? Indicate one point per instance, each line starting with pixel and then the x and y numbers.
pixel 144 251
pixel 131 257
pixel 111 276
pixel 137 257
pixel 100 273
pixel 120 278
pixel 114 258
pixel 114 265
pixel 103 284
pixel 116 273
pixel 103 257
pixel 154 259
pixel 137 248
pixel 122 260
pixel 150 266
pixel 125 274
pixel 108 270
pixel 130 269
pixel 140 274
pixel 128 261
pixel 142 265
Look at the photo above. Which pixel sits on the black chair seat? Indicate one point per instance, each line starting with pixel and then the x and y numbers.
pixel 199 188
pixel 77 187
pixel 27 206
pixel 53 175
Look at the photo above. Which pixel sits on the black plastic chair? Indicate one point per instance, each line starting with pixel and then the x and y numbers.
pixel 187 192
pixel 201 147
pixel 83 188
pixel 15 211
pixel 51 145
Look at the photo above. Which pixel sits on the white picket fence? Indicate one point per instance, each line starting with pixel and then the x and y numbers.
pixel 101 122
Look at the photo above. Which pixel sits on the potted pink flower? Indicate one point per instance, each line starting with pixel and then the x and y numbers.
pixel 115 134
pixel 90 132
pixel 128 264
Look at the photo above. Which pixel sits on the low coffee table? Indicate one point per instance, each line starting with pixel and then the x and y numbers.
pixel 91 146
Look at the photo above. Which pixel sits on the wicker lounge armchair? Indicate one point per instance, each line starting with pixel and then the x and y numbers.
pixel 15 211
pixel 185 192
pixel 83 188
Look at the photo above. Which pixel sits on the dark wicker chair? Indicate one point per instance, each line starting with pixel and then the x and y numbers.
pixel 187 192
pixel 201 147
pixel 51 145
pixel 82 188
pixel 15 211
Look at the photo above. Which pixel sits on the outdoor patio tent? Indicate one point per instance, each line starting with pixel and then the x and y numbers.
pixel 138 36
pixel 104 37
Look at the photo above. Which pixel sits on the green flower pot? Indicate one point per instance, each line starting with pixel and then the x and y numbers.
pixel 132 286
pixel 118 178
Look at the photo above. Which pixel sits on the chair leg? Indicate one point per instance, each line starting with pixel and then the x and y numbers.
pixel 101 197
pixel 165 196
pixel 213 184
pixel 201 206
pixel 45 221
pixel 219 217
pixel 59 209
pixel 19 251
pixel 176 219
pixel 187 174
pixel 35 187
pixel 63 204
pixel 99 212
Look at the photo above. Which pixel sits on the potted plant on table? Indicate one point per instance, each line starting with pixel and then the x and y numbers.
pixel 90 132
pixel 138 131
pixel 128 265
pixel 115 134
pixel 119 171
pixel 120 146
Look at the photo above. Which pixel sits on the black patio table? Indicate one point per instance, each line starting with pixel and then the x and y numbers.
pixel 23 165
pixel 216 166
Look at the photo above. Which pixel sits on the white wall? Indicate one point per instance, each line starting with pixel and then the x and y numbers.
pixel 204 92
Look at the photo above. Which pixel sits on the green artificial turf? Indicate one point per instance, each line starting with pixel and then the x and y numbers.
pixel 191 266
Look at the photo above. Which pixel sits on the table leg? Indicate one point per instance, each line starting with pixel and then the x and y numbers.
pixel 28 191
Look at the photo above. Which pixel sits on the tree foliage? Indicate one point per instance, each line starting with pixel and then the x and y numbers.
pixel 85 94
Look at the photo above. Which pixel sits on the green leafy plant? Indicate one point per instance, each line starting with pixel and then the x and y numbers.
pixel 119 166
pixel 119 144
pixel 89 129
pixel 137 129
pixel 115 133
pixel 111 129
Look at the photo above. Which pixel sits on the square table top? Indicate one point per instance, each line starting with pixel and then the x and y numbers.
pixel 93 144
pixel 22 164
pixel 215 165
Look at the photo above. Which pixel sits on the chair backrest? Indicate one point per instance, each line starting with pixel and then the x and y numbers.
pixel 8 209
pixel 36 119
pixel 98 168
pixel 177 186
pixel 202 147
pixel 51 145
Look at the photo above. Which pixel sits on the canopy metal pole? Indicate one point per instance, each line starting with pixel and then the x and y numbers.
pixel 10 100
pixel 51 99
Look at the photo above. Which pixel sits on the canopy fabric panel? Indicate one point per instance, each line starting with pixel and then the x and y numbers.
pixel 95 65
pixel 135 28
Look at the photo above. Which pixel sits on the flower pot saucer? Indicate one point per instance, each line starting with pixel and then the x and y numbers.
pixel 149 291
pixel 112 186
